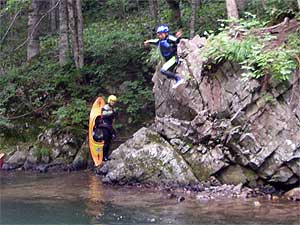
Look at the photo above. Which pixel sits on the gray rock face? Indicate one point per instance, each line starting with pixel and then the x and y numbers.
pixel 219 125
pixel 60 143
pixel 148 158
pixel 15 161
pixel 54 150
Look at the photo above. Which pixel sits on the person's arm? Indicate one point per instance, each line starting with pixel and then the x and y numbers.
pixel 151 41
pixel 173 39
pixel 107 111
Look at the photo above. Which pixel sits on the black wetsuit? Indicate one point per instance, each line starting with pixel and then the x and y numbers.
pixel 108 116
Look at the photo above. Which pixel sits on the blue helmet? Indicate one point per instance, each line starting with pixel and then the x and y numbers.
pixel 162 29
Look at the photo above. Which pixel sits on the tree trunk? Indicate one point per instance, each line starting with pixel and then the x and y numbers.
pixel 299 4
pixel 63 33
pixel 73 31
pixel 33 47
pixel 263 4
pixel 53 16
pixel 232 10
pixel 79 33
pixel 241 4
pixel 153 5
pixel 176 14
pixel 194 5
pixel 76 30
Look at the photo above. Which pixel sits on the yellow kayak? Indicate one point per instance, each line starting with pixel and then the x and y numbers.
pixel 96 147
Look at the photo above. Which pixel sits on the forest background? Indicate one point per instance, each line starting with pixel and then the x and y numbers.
pixel 57 56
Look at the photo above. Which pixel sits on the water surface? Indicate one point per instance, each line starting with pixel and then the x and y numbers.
pixel 81 198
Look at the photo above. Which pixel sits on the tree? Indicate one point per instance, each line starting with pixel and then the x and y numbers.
pixel 241 4
pixel 76 30
pixel 63 33
pixel 263 5
pixel 153 5
pixel 53 16
pixel 176 14
pixel 33 46
pixel 232 9
pixel 79 33
pixel 299 4
pixel 194 5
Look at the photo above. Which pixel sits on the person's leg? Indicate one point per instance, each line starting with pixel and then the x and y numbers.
pixel 167 67
pixel 107 140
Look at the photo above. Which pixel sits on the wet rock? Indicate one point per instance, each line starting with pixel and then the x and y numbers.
pixel 42 168
pixel 31 160
pixel 102 170
pixel 15 161
pixel 214 181
pixel 80 161
pixel 180 199
pixel 238 188
pixel 235 174
pixel 171 195
pixel 267 189
pixel 293 194
pixel 257 203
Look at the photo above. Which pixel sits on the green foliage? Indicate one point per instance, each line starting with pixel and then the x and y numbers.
pixel 272 10
pixel 111 59
pixel 279 63
pixel 13 5
pixel 114 32
pixel 116 51
pixel 269 98
pixel 73 114
pixel 137 99
pixel 251 53
pixel 209 14
pixel 222 47
pixel 41 152
pixel 153 58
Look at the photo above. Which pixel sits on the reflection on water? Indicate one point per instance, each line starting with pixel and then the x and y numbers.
pixel 94 198
pixel 80 198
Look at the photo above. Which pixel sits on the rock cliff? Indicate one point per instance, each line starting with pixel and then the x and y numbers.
pixel 217 127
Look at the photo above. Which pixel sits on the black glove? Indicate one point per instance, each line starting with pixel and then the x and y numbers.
pixel 114 134
pixel 116 113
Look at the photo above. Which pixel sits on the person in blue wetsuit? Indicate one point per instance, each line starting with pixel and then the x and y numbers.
pixel 167 44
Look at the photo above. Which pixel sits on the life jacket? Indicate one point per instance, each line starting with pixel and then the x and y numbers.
pixel 108 115
pixel 168 46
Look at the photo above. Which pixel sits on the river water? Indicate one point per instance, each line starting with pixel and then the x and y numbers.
pixel 81 198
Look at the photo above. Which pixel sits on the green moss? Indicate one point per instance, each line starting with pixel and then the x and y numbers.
pixel 268 98
pixel 41 151
pixel 201 172
pixel 155 138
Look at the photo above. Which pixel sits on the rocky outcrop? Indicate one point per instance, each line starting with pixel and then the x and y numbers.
pixel 219 125
pixel 147 158
pixel 54 150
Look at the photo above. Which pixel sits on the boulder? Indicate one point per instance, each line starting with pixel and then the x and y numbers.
pixel 148 158
pixel 15 161
pixel 293 194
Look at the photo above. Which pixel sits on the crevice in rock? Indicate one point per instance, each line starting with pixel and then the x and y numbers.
pixel 283 187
